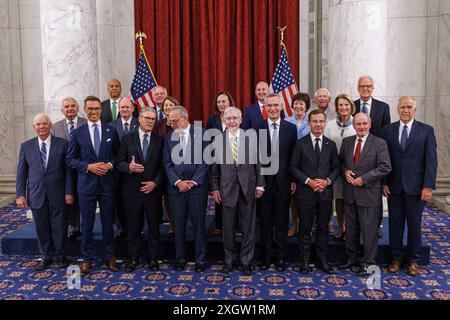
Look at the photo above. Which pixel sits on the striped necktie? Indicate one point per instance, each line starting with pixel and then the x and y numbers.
pixel 125 129
pixel 44 155
pixel 234 149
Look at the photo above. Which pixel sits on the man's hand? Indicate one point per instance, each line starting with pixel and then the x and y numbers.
pixel 183 186
pixel 99 168
pixel 148 186
pixel 385 190
pixel 312 184
pixel 217 197
pixel 69 199
pixel 349 174
pixel 191 184
pixel 321 184
pixel 258 193
pixel 135 167
pixel 21 202
pixel 293 187
pixel 358 182
pixel 427 194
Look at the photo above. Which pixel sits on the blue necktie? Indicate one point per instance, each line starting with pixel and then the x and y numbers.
pixel 160 114
pixel 44 155
pixel 125 129
pixel 96 139
pixel 145 146
pixel 404 138
pixel 71 129
pixel 364 108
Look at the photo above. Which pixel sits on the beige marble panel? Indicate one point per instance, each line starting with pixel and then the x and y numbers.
pixel 407 8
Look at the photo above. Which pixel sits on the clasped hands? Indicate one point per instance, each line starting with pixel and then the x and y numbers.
pixel 185 185
pixel 318 185
pixel 99 168
pixel 350 177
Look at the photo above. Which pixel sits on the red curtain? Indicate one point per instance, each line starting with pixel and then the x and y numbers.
pixel 197 48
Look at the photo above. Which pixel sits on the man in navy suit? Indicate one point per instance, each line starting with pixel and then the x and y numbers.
pixel 256 113
pixel 140 161
pixel 125 124
pixel 315 167
pixel 412 148
pixel 44 184
pixel 280 137
pixel 187 175
pixel 92 153
pixel 380 116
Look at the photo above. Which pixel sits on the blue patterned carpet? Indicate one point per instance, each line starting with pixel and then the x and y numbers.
pixel 19 281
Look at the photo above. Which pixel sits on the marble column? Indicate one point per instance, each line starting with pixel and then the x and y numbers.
pixel 357 37
pixel 69 51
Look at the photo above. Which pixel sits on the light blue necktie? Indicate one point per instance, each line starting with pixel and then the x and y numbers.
pixel 44 155
pixel 404 138
pixel 96 139
pixel 71 129
pixel 125 129
pixel 364 107
pixel 145 146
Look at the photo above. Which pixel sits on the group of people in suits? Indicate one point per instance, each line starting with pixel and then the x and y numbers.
pixel 263 166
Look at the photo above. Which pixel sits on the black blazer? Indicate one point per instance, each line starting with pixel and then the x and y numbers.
pixel 304 165
pixel 153 169
pixel 379 114
pixel 106 115
pixel 287 140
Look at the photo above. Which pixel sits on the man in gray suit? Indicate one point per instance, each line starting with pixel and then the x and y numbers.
pixel 64 129
pixel 365 162
pixel 237 183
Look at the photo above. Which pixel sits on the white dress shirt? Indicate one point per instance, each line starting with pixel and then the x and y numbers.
pixel 368 105
pixel 75 123
pixel 271 129
pixel 313 139
pixel 126 121
pixel 400 129
pixel 141 138
pixel 363 142
pixel 47 146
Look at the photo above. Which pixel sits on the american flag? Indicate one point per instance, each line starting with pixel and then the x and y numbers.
pixel 283 82
pixel 143 83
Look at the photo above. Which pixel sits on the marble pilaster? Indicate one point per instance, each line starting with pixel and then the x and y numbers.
pixel 357 44
pixel 69 51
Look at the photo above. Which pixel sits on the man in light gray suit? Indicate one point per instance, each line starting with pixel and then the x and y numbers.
pixel 237 183
pixel 365 162
pixel 64 129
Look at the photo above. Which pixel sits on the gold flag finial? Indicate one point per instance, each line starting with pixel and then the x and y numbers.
pixel 140 35
pixel 282 29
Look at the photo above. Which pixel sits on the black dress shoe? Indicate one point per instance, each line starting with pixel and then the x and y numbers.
pixel 63 262
pixel 247 270
pixel 360 270
pixel 327 268
pixel 132 265
pixel 153 265
pixel 74 235
pixel 280 265
pixel 265 264
pixel 200 266
pixel 180 265
pixel 303 268
pixel 227 268
pixel 44 264
pixel 347 264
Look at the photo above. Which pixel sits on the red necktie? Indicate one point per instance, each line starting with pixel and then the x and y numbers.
pixel 264 112
pixel 357 152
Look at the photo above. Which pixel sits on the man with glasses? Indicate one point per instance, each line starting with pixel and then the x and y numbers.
pixel 380 116
pixel 92 153
pixel 64 129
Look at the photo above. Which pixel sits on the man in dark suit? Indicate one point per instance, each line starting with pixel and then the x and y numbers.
pixel 44 184
pixel 140 161
pixel 125 124
pixel 236 184
pixel 159 93
pixel 64 129
pixel 380 116
pixel 92 153
pixel 412 148
pixel 110 107
pixel 365 162
pixel 187 175
pixel 315 167
pixel 279 137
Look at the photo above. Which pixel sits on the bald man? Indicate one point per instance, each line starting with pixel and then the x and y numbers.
pixel 44 184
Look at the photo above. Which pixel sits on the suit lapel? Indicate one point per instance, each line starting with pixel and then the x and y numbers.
pixel 412 134
pixel 37 154
pixel 137 144
pixel 311 151
pixel 65 129
pixel 365 149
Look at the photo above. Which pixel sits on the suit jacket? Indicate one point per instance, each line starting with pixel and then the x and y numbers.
pixel 374 164
pixel 153 169
pixel 61 130
pixel 161 128
pixel 134 126
pixel 415 168
pixel 54 182
pixel 214 122
pixel 227 177
pixel 106 115
pixel 379 114
pixel 287 139
pixel 253 117
pixel 81 153
pixel 304 165
pixel 192 168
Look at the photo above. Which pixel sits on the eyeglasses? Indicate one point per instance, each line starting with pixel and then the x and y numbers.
pixel 149 118
pixel 232 118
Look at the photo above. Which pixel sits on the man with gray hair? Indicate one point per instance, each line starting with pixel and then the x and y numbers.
pixel 322 99
pixel 64 129
pixel 365 162
pixel 44 184
pixel 159 94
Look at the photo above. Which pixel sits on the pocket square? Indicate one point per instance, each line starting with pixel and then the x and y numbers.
pixel 109 139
